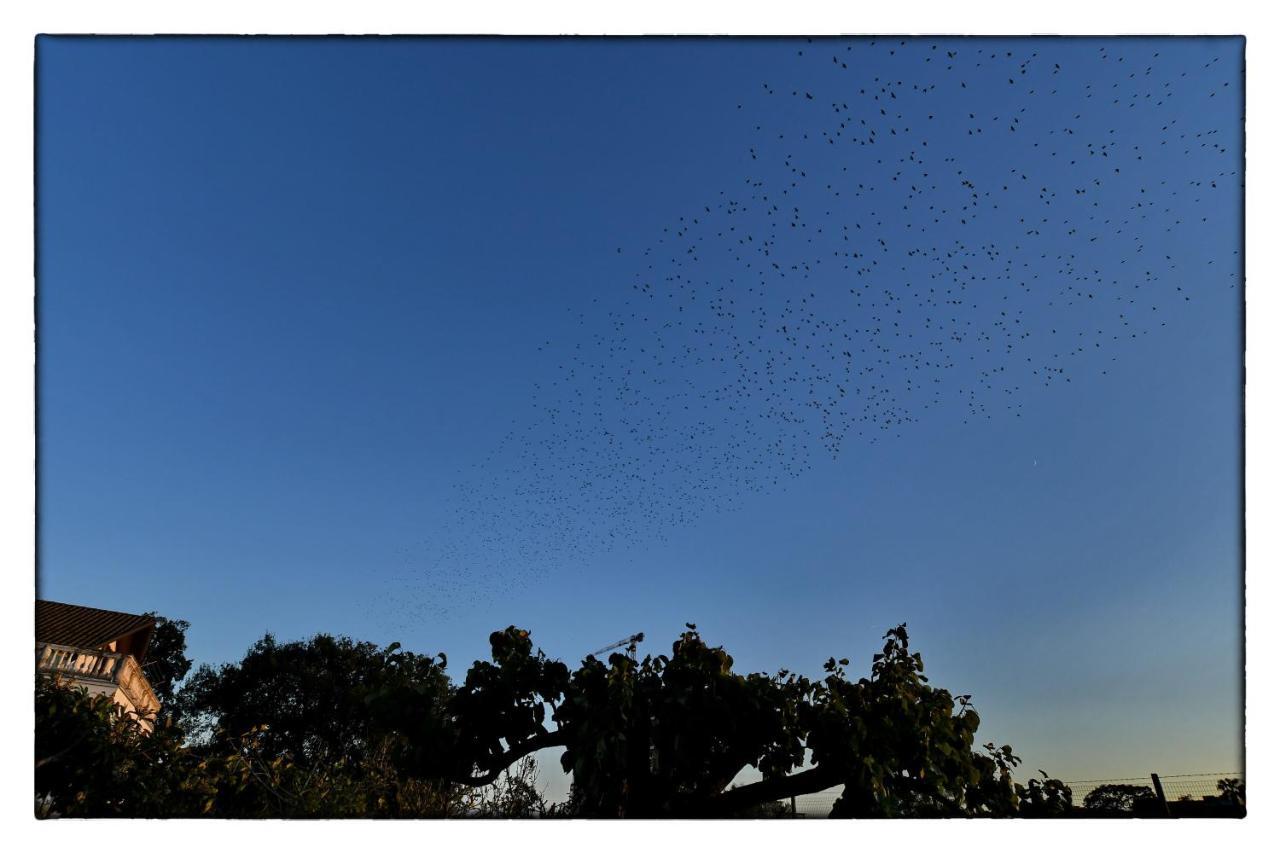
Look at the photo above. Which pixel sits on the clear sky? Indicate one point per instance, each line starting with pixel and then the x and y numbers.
pixel 415 339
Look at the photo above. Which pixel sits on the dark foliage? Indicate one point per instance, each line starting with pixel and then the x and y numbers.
pixel 167 662
pixel 334 728
pixel 1120 799
pixel 1231 792
pixel 313 700
pixel 667 736
pixel 92 759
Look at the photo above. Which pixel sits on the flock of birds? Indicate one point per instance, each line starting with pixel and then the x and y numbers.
pixel 925 228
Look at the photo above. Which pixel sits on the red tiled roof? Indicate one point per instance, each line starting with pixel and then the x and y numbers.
pixel 89 627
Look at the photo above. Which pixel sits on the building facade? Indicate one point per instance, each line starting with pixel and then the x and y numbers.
pixel 100 650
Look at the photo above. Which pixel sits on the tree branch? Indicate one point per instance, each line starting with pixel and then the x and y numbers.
pixel 511 756
pixel 806 782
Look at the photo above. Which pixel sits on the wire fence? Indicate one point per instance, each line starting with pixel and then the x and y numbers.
pixel 1196 786
pixel 1080 790
pixel 1185 793
pixel 818 804
pixel 1176 787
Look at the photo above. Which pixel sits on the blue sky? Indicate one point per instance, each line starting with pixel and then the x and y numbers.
pixel 305 307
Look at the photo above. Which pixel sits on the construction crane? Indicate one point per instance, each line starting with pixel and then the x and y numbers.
pixel 630 642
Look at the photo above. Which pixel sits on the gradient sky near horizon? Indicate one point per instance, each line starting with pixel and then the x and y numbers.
pixel 318 318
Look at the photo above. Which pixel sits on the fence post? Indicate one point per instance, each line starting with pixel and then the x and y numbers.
pixel 1164 804
pixel 793 805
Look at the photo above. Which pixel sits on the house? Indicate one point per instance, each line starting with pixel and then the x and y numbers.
pixel 100 650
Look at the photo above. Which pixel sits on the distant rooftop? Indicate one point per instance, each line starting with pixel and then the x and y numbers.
pixel 93 628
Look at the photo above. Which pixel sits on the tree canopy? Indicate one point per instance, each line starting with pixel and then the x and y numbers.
pixel 334 727
pixel 92 759
pixel 1119 798
pixel 167 662
pixel 309 700
pixel 666 736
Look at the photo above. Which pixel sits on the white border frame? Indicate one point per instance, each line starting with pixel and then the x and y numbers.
pixel 23 20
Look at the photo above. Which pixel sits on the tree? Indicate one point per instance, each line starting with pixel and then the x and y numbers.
pixel 667 735
pixel 1119 798
pixel 312 700
pixel 317 727
pixel 92 759
pixel 329 727
pixel 167 662
pixel 95 760
pixel 1231 792
pixel 1044 797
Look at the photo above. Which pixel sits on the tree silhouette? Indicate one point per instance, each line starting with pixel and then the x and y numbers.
pixel 330 727
pixel 1118 798
pixel 93 759
pixel 1231 791
pixel 308 700
pixel 167 662
pixel 666 736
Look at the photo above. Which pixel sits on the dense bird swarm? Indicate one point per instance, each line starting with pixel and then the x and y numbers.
pixel 894 251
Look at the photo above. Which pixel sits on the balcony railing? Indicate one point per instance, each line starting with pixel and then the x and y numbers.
pixel 95 665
